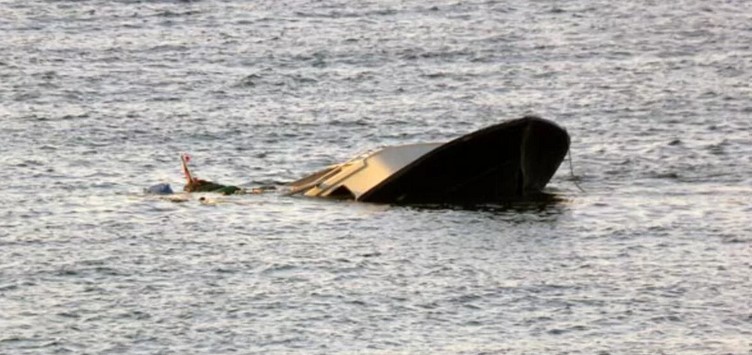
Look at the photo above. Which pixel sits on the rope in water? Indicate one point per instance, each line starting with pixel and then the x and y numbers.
pixel 571 171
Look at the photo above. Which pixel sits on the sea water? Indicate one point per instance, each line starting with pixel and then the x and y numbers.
pixel 99 98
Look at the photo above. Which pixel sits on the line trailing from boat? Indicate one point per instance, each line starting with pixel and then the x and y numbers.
pixel 571 171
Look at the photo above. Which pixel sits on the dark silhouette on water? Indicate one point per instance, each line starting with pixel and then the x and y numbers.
pixel 513 160
pixel 194 184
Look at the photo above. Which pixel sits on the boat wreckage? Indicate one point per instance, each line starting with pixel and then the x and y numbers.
pixel 508 161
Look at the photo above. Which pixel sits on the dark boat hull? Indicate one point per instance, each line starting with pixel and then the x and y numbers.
pixel 503 162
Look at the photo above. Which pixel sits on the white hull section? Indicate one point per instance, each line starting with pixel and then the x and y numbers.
pixel 355 177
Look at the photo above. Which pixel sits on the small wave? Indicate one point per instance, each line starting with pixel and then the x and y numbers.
pixel 666 175
pixel 173 14
pixel 168 48
pixel 9 287
pixel 347 14
pixel 279 268
pixel 29 163
pixel 250 80
pixel 718 148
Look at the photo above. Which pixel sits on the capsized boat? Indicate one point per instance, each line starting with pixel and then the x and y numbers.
pixel 506 161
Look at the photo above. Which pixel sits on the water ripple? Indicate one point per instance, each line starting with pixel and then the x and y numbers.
pixel 102 96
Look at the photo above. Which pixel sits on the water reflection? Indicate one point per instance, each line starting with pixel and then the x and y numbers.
pixel 542 202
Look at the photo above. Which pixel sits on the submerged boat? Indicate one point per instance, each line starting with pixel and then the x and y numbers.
pixel 507 161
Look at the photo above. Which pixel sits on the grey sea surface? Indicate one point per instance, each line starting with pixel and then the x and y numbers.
pixel 98 98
